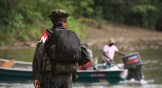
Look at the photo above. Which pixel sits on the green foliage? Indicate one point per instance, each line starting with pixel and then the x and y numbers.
pixel 142 15
pixel 24 19
pixel 77 27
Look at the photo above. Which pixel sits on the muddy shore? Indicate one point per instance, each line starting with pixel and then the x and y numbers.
pixel 126 37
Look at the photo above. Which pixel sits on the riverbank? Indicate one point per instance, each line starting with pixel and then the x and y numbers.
pixel 127 38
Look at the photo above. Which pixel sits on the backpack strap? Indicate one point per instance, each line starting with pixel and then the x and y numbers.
pixel 50 33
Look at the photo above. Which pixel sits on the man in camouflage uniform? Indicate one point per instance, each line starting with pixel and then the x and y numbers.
pixel 46 79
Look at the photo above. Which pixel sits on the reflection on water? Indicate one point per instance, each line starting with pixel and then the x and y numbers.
pixel 25 54
pixel 152 63
pixel 94 85
pixel 16 85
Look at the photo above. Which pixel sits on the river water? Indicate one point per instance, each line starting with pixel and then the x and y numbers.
pixel 152 63
pixel 94 85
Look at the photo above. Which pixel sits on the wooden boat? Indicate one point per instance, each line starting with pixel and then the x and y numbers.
pixel 22 71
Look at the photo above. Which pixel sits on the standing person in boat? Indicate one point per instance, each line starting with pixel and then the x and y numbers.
pixel 62 48
pixel 109 51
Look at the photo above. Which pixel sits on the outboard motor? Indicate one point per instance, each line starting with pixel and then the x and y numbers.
pixel 132 60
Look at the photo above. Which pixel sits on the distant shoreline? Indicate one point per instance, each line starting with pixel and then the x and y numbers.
pixel 98 44
pixel 130 45
pixel 126 37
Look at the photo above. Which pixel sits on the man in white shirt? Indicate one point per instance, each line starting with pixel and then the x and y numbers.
pixel 109 51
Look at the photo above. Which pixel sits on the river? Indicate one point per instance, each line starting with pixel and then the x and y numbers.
pixel 152 63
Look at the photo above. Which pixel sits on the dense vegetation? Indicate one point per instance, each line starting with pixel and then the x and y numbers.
pixel 23 20
pixel 144 13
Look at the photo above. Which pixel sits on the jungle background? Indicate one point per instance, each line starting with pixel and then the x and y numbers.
pixel 136 25
pixel 133 23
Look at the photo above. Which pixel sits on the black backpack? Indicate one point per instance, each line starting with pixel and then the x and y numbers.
pixel 67 46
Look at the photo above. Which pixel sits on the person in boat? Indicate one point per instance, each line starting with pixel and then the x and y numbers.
pixel 90 64
pixel 109 51
pixel 57 54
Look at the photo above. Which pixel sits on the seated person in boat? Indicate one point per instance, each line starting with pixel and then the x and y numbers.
pixel 90 64
pixel 109 51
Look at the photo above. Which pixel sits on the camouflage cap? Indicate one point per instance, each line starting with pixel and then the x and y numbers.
pixel 59 13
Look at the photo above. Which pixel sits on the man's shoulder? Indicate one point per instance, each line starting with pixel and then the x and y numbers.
pixel 115 47
pixel 105 46
pixel 44 37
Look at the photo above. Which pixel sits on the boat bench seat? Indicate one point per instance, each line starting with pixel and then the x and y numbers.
pixel 8 64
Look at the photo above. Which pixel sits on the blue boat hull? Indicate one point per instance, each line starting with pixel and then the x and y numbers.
pixel 14 75
pixel 22 71
pixel 93 77
pixel 83 77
